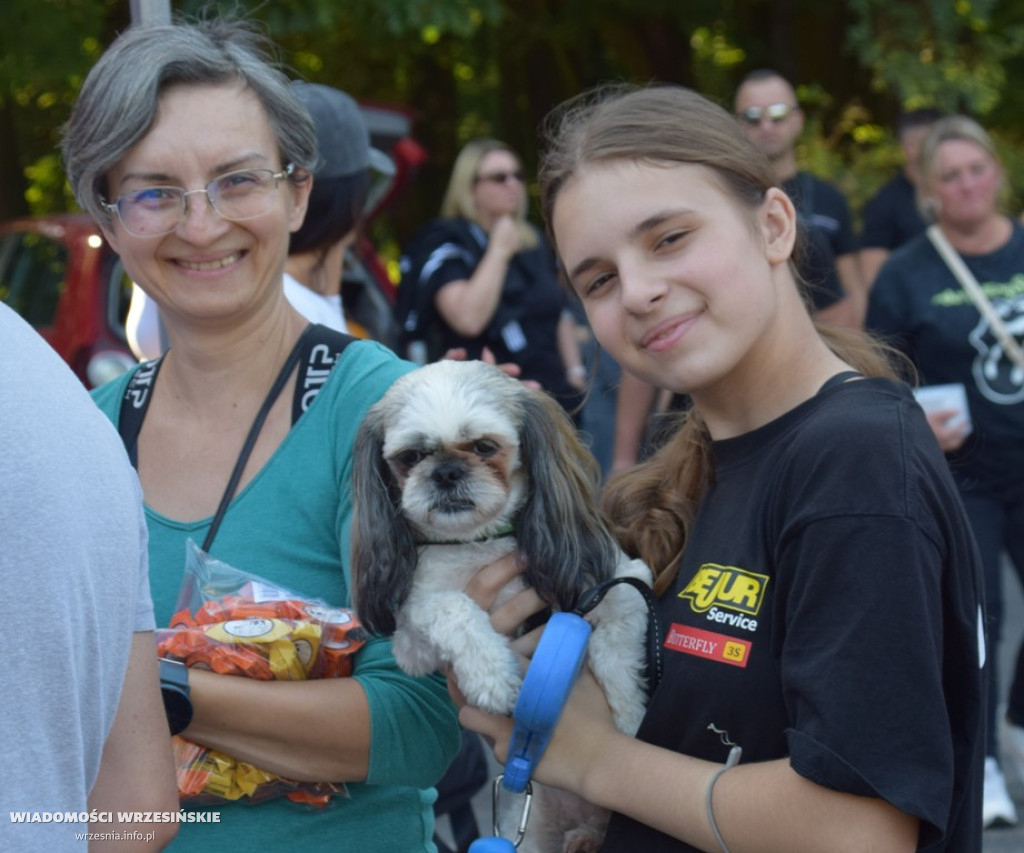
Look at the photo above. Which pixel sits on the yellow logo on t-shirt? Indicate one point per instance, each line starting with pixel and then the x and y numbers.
pixel 725 586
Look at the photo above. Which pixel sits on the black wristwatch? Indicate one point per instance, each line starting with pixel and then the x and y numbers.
pixel 177 701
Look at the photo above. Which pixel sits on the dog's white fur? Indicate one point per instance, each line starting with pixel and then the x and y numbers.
pixel 451 458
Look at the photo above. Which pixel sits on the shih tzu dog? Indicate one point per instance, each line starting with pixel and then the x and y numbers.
pixel 458 465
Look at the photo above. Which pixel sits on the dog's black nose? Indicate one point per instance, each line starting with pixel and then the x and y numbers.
pixel 448 473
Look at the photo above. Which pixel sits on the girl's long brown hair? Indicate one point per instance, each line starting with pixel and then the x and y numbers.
pixel 651 506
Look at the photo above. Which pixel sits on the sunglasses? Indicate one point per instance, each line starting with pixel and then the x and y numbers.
pixel 773 112
pixel 499 177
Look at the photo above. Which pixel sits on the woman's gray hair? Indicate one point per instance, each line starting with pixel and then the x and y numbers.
pixel 119 99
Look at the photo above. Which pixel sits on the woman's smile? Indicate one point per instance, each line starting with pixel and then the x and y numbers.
pixel 210 265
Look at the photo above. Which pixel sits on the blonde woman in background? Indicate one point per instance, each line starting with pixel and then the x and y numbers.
pixel 919 304
pixel 486 278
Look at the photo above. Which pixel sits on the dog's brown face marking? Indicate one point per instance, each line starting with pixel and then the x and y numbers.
pixel 493 453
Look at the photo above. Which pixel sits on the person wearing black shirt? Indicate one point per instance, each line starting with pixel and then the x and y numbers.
pixel 919 305
pixel 767 109
pixel 486 278
pixel 892 216
pixel 819 595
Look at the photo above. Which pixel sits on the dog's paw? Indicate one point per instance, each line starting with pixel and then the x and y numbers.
pixel 494 692
pixel 412 654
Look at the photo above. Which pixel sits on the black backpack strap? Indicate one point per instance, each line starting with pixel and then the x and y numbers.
pixel 320 350
pixel 137 394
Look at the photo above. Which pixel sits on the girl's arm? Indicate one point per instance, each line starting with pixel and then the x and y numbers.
pixel 759 808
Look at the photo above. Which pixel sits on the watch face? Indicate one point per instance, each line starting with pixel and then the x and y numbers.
pixel 174 687
pixel 178 707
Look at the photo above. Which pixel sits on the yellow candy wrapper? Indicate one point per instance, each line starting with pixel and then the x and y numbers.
pixel 235 623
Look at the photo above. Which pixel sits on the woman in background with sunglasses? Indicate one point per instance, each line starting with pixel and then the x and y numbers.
pixel 485 277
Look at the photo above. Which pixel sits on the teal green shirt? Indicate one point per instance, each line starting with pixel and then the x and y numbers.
pixel 290 524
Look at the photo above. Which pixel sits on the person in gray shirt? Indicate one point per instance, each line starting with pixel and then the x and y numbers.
pixel 80 705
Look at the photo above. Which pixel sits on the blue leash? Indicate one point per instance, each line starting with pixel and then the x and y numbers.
pixel 549 680
pixel 546 687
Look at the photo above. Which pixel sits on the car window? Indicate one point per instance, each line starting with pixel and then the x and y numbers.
pixel 32 276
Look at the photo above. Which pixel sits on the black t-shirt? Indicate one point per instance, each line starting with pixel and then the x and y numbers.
pixel 524 329
pixel 827 609
pixel 826 229
pixel 918 305
pixel 891 217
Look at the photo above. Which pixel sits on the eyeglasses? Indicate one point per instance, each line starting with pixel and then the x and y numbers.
pixel 236 196
pixel 499 177
pixel 773 112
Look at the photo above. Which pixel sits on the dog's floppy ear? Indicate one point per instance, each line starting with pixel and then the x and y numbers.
pixel 560 530
pixel 383 549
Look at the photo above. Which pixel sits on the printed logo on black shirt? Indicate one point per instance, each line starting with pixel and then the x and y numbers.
pixel 727 587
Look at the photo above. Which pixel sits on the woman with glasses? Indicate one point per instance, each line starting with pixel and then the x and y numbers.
pixel 485 277
pixel 194 154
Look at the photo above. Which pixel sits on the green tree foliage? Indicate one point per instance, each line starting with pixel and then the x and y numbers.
pixel 467 68
pixel 936 52
pixel 956 55
pixel 45 48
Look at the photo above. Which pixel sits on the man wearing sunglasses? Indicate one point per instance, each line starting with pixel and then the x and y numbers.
pixel 767 109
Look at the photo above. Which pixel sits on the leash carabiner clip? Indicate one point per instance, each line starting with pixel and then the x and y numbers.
pixel 524 817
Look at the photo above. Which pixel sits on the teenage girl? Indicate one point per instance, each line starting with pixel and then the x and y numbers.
pixel 818 587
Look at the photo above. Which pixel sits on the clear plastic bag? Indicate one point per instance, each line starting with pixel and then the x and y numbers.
pixel 236 623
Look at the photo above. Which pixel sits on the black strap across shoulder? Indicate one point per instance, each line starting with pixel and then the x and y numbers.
pixel 315 352
pixel 134 404
pixel 321 347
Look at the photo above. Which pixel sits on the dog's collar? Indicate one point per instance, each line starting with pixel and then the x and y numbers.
pixel 501 534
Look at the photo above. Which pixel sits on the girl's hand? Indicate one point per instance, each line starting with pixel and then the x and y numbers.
pixel 586 721
pixel 583 730
pixel 509 368
pixel 507 618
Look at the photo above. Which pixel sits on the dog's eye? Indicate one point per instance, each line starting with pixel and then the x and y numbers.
pixel 408 458
pixel 485 448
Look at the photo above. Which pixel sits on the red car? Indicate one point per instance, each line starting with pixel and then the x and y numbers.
pixel 61 276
